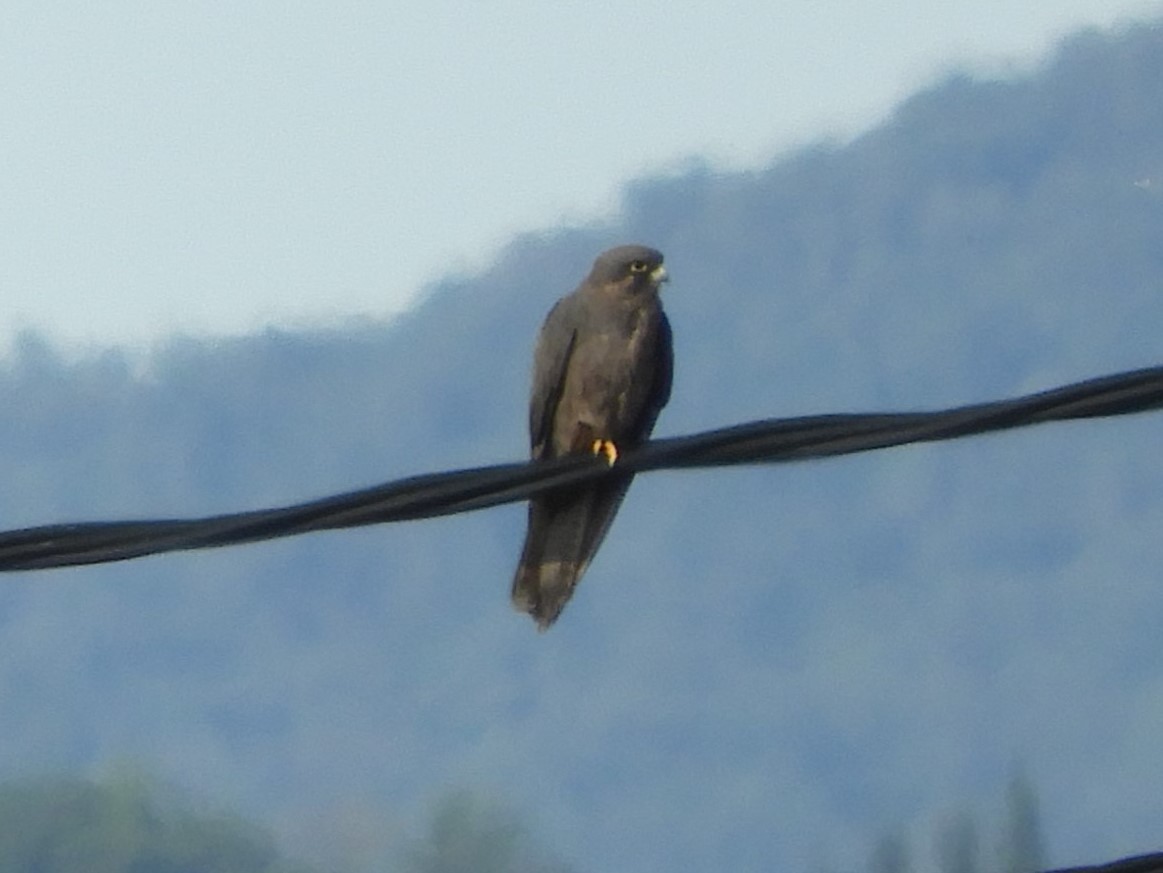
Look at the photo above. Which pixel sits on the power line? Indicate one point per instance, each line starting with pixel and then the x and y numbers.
pixel 436 494
pixel 1138 864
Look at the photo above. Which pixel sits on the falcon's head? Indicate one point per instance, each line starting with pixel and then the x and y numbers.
pixel 631 268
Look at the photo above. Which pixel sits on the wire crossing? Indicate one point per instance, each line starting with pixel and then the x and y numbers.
pixel 426 496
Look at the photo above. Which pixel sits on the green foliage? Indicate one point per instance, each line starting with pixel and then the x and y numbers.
pixel 891 855
pixel 958 848
pixel 958 844
pixel 121 826
pixel 469 835
pixel 1022 848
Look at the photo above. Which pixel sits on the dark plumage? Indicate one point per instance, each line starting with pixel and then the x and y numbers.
pixel 601 372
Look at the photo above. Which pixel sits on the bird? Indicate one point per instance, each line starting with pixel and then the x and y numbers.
pixel 602 372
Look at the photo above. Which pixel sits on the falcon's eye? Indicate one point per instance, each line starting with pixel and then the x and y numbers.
pixel 639 266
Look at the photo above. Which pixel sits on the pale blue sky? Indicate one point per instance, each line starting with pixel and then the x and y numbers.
pixel 213 167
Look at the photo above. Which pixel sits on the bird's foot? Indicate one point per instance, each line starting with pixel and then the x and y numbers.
pixel 607 448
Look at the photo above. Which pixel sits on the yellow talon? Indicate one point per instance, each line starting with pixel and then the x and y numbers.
pixel 607 448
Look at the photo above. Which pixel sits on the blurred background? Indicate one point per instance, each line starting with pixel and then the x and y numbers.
pixel 257 255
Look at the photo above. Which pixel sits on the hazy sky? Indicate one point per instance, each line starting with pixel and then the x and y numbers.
pixel 212 167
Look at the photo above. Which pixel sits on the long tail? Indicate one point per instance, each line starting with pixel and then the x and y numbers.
pixel 564 533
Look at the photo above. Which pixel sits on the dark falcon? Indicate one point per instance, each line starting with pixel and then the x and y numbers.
pixel 601 375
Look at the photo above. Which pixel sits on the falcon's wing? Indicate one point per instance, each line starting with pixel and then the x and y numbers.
pixel 663 376
pixel 555 346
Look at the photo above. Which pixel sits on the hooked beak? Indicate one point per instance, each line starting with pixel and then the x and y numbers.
pixel 659 275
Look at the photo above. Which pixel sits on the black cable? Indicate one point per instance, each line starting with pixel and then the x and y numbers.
pixel 1138 864
pixel 770 441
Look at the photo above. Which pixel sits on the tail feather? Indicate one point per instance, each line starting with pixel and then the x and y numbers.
pixel 564 534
